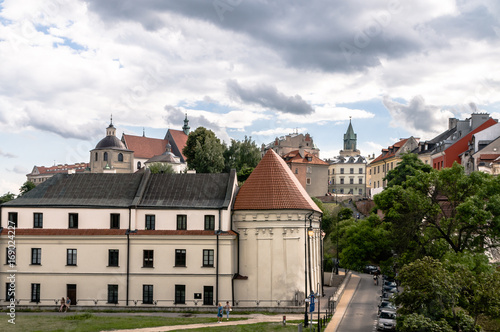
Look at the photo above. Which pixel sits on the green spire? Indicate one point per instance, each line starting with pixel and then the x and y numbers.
pixel 350 138
pixel 186 127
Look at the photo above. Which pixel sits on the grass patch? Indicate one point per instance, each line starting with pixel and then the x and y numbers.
pixel 258 327
pixel 88 322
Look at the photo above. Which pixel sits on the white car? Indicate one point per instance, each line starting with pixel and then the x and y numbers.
pixel 386 321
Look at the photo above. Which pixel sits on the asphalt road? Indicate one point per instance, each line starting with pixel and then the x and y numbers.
pixel 361 315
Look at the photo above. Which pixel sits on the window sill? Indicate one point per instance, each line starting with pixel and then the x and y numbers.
pixel 175 303
pixel 36 264
pixel 113 266
pixel 148 267
pixel 71 265
pixel 208 266
pixel 180 266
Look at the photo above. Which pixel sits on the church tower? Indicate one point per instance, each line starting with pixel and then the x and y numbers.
pixel 186 127
pixel 350 139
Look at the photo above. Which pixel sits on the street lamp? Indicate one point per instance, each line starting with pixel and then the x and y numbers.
pixel 306 217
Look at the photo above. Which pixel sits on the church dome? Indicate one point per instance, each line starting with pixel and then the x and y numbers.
pixel 110 142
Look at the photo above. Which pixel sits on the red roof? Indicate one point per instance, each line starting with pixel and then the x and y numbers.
pixel 145 147
pixel 272 186
pixel 61 168
pixel 391 152
pixel 180 139
pixel 489 156
pixel 294 157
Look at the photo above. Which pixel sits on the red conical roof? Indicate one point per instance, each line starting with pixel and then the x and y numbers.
pixel 273 186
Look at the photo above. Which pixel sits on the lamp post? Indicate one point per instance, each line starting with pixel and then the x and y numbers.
pixel 307 216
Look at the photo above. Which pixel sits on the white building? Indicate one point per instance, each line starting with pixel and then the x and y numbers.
pixel 170 240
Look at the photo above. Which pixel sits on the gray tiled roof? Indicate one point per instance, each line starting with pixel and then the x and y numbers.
pixel 89 189
pixel 188 190
pixel 138 189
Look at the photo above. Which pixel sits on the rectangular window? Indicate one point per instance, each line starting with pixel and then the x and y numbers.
pixel 150 221
pixel 360 191
pixel 148 258
pixel 10 256
pixel 378 169
pixel 208 295
pixel 208 257
pixel 308 181
pixel 37 220
pixel 12 217
pixel 360 171
pixel 309 169
pixel 73 220
pixel 181 222
pixel 71 257
pixel 351 181
pixel 342 181
pixel 147 294
pixel 360 180
pixel 209 223
pixel 351 170
pixel 383 168
pixel 9 291
pixel 35 293
pixel 180 294
pixel 36 256
pixel 114 220
pixel 341 171
pixel 180 257
pixel 370 171
pixel 113 258
pixel 113 294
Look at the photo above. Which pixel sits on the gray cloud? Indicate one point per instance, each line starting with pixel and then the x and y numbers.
pixel 269 97
pixel 175 117
pixel 417 117
pixel 53 123
pixel 19 170
pixel 7 154
pixel 310 35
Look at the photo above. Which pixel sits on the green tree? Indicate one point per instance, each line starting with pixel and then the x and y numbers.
pixel 27 186
pixel 204 151
pixel 446 210
pixel 363 242
pixel 7 197
pixel 241 155
pixel 410 165
pixel 156 168
pixel 344 214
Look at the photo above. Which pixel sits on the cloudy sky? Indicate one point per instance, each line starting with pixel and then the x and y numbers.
pixel 239 67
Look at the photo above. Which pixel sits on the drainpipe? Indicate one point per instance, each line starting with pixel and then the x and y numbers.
pixel 217 233
pixel 128 232
pixel 237 258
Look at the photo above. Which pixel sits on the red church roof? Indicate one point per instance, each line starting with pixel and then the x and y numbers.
pixel 180 139
pixel 272 186
pixel 144 147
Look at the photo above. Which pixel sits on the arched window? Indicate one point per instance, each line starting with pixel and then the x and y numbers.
pixel 120 157
pixel 105 156
pixel 96 156
pixel 138 165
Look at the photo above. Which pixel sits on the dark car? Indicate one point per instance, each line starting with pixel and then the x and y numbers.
pixel 386 296
pixel 387 306
pixel 389 289
pixel 370 269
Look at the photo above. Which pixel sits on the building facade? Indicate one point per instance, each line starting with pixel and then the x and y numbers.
pixel 291 142
pixel 386 161
pixel 311 171
pixel 169 240
pixel 41 174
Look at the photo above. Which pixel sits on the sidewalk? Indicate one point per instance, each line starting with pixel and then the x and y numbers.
pixel 341 308
pixel 343 304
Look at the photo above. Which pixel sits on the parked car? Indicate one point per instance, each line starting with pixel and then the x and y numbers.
pixel 389 289
pixel 387 306
pixel 386 296
pixel 370 269
pixel 388 282
pixel 386 321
